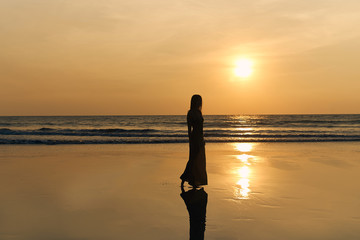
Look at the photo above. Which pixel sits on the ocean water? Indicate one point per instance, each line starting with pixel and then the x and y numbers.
pixel 173 129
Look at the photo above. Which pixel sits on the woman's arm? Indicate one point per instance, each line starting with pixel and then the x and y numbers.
pixel 188 124
pixel 189 129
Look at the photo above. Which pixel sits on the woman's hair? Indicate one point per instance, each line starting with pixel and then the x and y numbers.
pixel 196 102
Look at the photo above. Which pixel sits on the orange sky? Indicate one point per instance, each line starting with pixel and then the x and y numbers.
pixel 86 57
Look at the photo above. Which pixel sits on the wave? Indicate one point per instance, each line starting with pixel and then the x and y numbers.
pixel 165 141
pixel 173 129
pixel 218 134
pixel 117 132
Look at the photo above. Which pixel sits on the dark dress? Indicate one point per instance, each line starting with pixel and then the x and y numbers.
pixel 195 171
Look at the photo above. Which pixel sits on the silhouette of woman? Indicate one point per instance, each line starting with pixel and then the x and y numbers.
pixel 195 171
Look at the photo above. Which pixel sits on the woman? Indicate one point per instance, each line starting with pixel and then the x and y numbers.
pixel 195 171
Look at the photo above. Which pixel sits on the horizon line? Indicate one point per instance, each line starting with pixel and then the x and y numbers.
pixel 125 115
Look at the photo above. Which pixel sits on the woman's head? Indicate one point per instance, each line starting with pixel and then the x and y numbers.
pixel 196 102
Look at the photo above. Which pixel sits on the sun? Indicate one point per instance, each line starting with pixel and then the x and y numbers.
pixel 243 67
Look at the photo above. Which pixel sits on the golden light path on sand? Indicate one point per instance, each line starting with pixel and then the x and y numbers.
pixel 243 147
pixel 242 189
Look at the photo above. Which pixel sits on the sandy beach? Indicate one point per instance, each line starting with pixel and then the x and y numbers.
pixel 255 191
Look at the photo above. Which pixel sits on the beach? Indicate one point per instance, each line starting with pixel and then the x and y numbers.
pixel 132 191
pixel 108 107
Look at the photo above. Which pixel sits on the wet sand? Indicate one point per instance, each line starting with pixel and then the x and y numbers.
pixel 255 191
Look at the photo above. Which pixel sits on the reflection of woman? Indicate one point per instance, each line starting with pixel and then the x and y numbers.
pixel 195 171
pixel 196 201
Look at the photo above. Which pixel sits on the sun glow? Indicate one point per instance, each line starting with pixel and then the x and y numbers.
pixel 243 67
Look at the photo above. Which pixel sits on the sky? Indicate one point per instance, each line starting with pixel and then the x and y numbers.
pixel 139 57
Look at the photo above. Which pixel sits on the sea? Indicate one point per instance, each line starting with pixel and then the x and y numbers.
pixel 173 129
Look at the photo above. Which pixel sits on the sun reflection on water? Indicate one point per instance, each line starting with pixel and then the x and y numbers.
pixel 242 190
pixel 244 158
pixel 245 131
pixel 243 173
pixel 244 147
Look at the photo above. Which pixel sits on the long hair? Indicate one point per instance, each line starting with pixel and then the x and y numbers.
pixel 196 102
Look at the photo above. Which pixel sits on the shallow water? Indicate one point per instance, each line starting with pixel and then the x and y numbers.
pixel 255 191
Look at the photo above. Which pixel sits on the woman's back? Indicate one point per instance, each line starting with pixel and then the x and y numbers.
pixel 195 121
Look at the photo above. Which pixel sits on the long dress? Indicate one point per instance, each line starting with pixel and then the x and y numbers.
pixel 195 171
